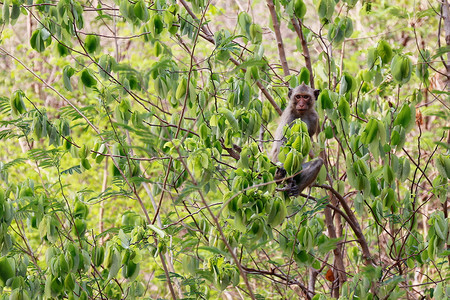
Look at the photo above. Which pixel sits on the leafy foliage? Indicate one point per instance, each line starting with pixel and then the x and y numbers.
pixel 134 137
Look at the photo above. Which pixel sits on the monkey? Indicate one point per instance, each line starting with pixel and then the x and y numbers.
pixel 302 100
pixel 301 105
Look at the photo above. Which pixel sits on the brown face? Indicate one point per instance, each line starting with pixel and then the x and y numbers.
pixel 302 102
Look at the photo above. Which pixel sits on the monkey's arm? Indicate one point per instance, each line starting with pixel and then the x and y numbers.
pixel 279 138
pixel 307 176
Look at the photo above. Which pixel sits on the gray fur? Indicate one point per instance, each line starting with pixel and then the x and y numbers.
pixel 290 114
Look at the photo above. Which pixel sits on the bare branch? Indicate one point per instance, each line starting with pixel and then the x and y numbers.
pixel 446 15
pixel 297 23
pixel 354 224
pixel 276 28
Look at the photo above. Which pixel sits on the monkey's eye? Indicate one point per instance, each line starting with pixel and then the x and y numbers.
pixel 298 96
pixel 306 97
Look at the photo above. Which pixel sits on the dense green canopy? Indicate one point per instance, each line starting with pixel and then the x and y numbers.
pixel 134 140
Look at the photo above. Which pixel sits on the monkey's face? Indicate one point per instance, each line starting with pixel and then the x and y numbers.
pixel 303 102
pixel 302 99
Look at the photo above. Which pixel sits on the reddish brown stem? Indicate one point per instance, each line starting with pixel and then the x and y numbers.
pixel 337 251
pixel 354 224
pixel 297 23
pixel 276 28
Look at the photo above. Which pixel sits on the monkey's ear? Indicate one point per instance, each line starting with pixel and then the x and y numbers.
pixel 289 93
pixel 316 93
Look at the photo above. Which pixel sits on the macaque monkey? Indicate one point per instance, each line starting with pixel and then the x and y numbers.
pixel 302 101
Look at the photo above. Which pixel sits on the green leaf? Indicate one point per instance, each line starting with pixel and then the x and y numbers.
pixel 124 239
pixel 156 25
pixel 348 84
pixel 114 265
pixel 344 108
pixel 45 34
pixel 62 49
pixel 84 164
pixel 255 33
pixel 141 11
pixel 405 169
pixel 7 269
pixel 68 72
pixel 442 163
pixel 328 245
pixel 17 104
pixel 36 41
pixel 240 220
pixel 88 79
pixel 384 51
pixel 441 51
pixel 56 286
pixel 79 227
pixel 250 63
pixel 158 48
pixel 370 132
pixel 401 68
pixel 106 64
pixel 181 89
pixel 341 29
pixel 301 256
pixel 98 255
pixel 299 8
pixel 304 76
pixel 326 9
pixel 395 137
pixel 388 174
pixel 190 264
pixel 404 116
pixel 213 250
pixel 244 21
pixel 15 13
pixel 324 100
pixel 6 13
pixel 388 196
pixel 69 282
pixel 131 270
pixel 229 116
pixel 92 43
pixel 160 232
pixel 422 71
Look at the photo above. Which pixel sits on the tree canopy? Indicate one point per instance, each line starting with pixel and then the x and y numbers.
pixel 134 140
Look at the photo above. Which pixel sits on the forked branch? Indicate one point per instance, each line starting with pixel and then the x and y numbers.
pixel 297 23
pixel 276 28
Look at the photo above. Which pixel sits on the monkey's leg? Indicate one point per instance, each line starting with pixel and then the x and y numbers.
pixel 307 176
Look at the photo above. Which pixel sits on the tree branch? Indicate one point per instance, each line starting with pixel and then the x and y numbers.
pixel 297 23
pixel 354 224
pixel 210 39
pixel 446 15
pixel 276 28
pixel 209 35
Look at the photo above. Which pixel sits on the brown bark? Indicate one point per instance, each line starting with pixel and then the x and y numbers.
pixel 446 15
pixel 276 28
pixel 354 224
pixel 338 260
pixel 297 23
